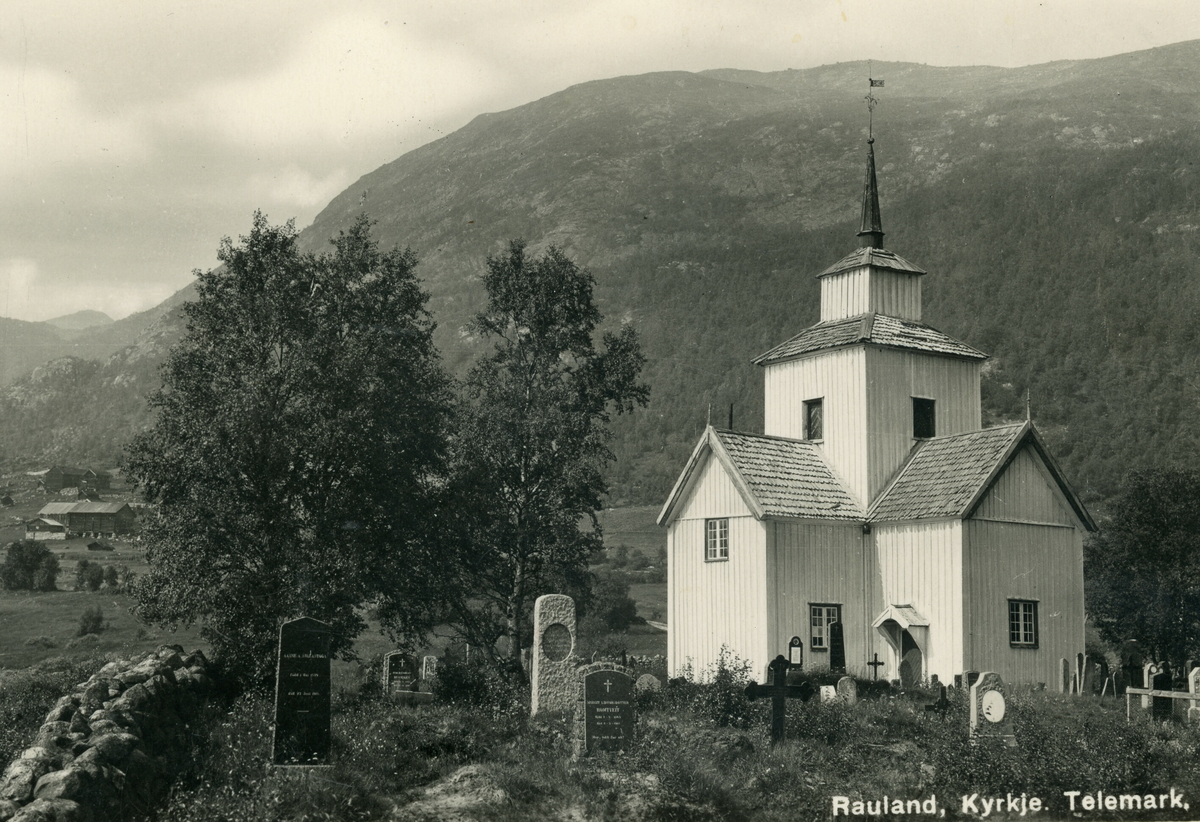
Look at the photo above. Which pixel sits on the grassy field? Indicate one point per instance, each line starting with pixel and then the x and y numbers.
pixel 635 527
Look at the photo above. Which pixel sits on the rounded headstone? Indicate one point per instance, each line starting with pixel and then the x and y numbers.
pixel 647 682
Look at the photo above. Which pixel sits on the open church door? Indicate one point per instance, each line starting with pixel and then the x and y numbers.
pixel 907 632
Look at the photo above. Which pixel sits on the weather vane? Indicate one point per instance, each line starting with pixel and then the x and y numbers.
pixel 872 101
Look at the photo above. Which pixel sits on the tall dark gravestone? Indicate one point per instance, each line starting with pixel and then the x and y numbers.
pixel 399 673
pixel 302 712
pixel 796 653
pixel 605 717
pixel 837 648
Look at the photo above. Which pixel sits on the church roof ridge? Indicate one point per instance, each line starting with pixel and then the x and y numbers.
pixel 882 329
pixel 882 258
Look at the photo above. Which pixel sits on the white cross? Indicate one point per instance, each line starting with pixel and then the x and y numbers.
pixel 607 685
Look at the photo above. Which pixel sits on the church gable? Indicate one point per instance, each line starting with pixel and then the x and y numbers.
pixel 712 494
pixel 1026 492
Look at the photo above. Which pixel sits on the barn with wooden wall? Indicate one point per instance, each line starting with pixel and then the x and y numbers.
pixel 875 519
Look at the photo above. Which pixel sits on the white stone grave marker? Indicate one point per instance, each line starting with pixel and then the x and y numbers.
pixel 555 685
pixel 989 710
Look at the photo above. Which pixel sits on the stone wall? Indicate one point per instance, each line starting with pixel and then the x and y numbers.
pixel 111 749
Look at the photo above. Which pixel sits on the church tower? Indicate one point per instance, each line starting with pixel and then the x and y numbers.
pixel 870 380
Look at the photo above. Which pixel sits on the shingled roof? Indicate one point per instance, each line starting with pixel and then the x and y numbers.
pixel 877 329
pixel 875 257
pixel 945 474
pixel 777 477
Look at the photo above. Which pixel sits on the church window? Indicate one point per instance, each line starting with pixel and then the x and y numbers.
pixel 814 419
pixel 923 418
pixel 823 615
pixel 1022 623
pixel 716 539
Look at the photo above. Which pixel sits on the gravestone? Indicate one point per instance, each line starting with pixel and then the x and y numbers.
pixel 1132 663
pixel 429 666
pixel 1064 676
pixel 555 684
pixel 1075 684
pixel 837 648
pixel 1149 671
pixel 779 692
pixel 1090 671
pixel 399 673
pixel 942 703
pixel 605 713
pixel 302 711
pixel 1163 706
pixel 647 682
pixel 989 710
pixel 1102 673
pixel 829 694
pixel 970 677
pixel 847 690
pixel 876 663
pixel 1080 665
pixel 796 652
pixel 910 669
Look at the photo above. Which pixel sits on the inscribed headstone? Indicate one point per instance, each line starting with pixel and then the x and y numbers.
pixel 847 690
pixel 399 673
pixel 829 693
pixel 837 648
pixel 429 666
pixel 989 710
pixel 605 714
pixel 1064 677
pixel 796 652
pixel 554 681
pixel 302 711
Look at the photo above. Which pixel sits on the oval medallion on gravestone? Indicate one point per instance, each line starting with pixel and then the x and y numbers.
pixel 556 642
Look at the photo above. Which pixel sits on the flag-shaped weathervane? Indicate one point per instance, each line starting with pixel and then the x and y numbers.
pixel 872 100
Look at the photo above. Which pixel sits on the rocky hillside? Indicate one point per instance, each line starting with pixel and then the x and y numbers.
pixel 1054 207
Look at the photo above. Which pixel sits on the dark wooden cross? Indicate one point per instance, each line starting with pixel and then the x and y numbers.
pixel 779 692
pixel 876 664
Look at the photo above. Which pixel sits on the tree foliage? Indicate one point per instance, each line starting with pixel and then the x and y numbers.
pixel 1143 569
pixel 532 444
pixel 299 423
pixel 29 565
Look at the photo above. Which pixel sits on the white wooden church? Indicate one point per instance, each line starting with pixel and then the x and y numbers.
pixel 875 499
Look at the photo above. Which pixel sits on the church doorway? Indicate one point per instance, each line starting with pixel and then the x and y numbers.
pixel 911 667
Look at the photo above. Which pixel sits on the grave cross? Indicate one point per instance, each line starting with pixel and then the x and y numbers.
pixel 876 664
pixel 779 692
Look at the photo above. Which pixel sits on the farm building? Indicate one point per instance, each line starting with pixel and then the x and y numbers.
pixel 89 517
pixel 45 528
pixel 875 521
pixel 58 478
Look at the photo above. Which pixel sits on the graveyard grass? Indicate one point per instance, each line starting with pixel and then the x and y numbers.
pixel 702 752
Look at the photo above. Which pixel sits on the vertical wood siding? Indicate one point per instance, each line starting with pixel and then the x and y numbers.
pixel 921 564
pixel 816 563
pixel 838 378
pixel 715 604
pixel 864 290
pixel 1006 560
pixel 897 295
pixel 1025 492
pixel 893 378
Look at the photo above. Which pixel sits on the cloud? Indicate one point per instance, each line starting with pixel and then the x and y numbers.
pixel 45 123
pixel 351 79
pixel 17 276
pixel 297 187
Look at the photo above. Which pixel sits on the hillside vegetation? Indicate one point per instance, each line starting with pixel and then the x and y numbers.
pixel 1054 206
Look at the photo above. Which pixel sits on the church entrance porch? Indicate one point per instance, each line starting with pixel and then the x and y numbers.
pixel 907 632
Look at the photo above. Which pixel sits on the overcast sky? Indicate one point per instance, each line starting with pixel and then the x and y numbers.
pixel 134 134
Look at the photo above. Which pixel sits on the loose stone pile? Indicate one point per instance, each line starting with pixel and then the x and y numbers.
pixel 111 749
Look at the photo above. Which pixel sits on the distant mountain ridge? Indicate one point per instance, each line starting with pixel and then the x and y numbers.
pixel 80 320
pixel 1054 207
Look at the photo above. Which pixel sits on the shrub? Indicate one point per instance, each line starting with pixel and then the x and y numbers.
pixel 611 604
pixel 91 622
pixel 111 578
pixel 89 576
pixel 29 565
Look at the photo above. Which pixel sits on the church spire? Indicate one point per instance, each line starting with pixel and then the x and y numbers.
pixel 871 230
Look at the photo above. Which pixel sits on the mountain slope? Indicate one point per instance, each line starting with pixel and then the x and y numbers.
pixel 1054 206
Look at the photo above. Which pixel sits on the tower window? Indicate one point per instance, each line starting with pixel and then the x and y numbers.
pixel 814 420
pixel 924 418
pixel 716 539
pixel 1022 623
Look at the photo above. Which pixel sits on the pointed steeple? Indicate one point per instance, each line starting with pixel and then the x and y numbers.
pixel 871 230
